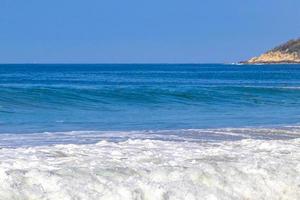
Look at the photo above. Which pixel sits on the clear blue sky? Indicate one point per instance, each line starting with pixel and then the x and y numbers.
pixel 131 31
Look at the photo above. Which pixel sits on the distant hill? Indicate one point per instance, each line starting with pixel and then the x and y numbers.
pixel 285 53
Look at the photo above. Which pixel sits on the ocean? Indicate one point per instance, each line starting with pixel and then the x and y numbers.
pixel 149 131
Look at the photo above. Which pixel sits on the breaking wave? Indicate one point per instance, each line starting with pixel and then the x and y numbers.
pixel 149 169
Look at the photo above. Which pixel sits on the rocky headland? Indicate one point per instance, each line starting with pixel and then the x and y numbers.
pixel 285 53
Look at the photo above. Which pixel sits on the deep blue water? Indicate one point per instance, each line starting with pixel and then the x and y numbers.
pixel 39 98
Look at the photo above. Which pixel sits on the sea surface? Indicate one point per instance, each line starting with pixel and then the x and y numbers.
pixel 149 131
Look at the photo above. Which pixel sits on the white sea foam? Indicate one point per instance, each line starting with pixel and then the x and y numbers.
pixel 153 170
pixel 189 135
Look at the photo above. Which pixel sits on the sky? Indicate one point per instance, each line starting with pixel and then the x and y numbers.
pixel 143 31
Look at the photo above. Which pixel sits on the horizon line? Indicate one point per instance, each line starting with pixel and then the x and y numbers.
pixel 119 63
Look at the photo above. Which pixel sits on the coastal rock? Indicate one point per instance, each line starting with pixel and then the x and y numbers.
pixel 285 53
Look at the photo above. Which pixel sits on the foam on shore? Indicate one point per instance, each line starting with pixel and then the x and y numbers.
pixel 15 140
pixel 153 170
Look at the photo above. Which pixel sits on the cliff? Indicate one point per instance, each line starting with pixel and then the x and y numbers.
pixel 285 53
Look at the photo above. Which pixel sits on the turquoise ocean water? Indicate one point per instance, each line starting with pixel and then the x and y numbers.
pixel 146 97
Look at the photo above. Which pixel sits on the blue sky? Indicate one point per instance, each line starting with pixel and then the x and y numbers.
pixel 133 31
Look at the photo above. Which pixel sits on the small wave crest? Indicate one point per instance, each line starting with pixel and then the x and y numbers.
pixel 48 97
pixel 183 135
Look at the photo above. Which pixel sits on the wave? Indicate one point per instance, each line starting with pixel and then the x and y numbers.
pixel 47 108
pixel 148 169
pixel 93 96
